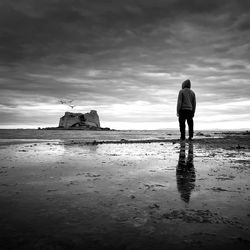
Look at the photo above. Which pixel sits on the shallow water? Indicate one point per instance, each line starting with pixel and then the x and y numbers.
pixel 188 192
pixel 11 136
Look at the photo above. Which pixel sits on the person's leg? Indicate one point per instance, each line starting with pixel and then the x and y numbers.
pixel 182 125
pixel 190 123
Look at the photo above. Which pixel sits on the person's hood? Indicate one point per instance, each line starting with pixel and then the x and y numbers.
pixel 186 84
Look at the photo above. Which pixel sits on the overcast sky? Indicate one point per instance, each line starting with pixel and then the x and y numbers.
pixel 126 59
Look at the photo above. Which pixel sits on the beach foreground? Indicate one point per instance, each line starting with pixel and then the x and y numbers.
pixel 158 195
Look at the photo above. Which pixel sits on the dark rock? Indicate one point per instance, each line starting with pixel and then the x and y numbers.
pixel 199 134
pixel 123 140
pixel 77 120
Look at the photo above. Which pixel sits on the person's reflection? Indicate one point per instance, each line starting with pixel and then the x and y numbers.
pixel 185 173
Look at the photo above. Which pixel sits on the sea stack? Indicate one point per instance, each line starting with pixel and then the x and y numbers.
pixel 80 120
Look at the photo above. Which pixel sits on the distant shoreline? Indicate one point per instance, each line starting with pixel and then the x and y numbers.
pixel 233 140
pixel 167 129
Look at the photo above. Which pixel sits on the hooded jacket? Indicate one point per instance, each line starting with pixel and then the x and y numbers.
pixel 186 98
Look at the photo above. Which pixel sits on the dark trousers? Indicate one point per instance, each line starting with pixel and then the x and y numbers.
pixel 183 116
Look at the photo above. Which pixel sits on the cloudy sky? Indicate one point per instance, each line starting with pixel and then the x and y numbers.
pixel 126 59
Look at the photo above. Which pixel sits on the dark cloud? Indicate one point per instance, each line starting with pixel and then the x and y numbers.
pixel 109 52
pixel 34 29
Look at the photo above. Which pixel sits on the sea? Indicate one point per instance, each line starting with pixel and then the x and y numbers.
pixel 9 136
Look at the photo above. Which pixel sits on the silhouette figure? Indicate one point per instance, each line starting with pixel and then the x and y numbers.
pixel 185 173
pixel 186 105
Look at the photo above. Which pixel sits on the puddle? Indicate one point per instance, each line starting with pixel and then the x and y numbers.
pixel 141 186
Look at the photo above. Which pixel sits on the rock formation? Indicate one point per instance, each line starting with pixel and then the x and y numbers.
pixel 79 120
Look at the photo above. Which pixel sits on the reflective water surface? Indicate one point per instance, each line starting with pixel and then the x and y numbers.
pixel 153 189
pixel 185 172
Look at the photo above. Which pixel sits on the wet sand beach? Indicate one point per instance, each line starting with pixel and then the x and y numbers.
pixel 126 194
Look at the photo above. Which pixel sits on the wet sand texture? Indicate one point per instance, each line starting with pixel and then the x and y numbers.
pixel 158 195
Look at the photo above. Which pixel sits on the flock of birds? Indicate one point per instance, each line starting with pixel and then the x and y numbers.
pixel 67 102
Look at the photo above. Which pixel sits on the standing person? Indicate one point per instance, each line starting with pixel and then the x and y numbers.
pixel 186 105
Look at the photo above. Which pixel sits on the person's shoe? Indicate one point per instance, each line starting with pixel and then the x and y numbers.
pixel 182 139
pixel 190 139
